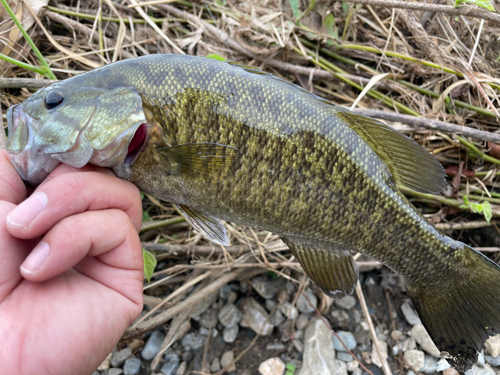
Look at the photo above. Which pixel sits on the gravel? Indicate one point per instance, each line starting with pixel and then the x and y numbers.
pixel 153 345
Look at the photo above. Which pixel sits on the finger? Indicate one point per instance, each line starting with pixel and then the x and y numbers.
pixel 64 169
pixel 12 188
pixel 70 194
pixel 108 234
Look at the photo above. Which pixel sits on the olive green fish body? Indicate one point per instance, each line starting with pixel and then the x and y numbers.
pixel 223 141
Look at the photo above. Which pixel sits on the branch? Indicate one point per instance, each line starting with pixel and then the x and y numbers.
pixel 29 83
pixel 464 10
pixel 421 122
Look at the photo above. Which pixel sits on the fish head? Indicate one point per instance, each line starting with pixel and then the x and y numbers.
pixel 76 125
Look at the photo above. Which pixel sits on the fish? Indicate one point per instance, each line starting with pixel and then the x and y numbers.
pixel 223 141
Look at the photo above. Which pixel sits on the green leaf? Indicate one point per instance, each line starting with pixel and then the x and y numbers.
pixel 345 7
pixel 295 8
pixel 487 212
pixel 149 264
pixel 216 57
pixel 484 208
pixel 486 4
pixel 290 367
pixel 329 24
pixel 466 200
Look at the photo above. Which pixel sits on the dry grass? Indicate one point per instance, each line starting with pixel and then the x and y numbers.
pixel 433 65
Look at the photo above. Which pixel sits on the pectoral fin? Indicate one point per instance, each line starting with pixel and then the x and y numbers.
pixel 211 228
pixel 332 268
pixel 195 159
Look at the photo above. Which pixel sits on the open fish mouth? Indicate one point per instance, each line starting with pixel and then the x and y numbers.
pixel 34 158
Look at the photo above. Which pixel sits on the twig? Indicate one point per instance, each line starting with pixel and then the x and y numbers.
pixel 362 301
pixel 476 152
pixel 464 10
pixel 181 306
pixel 424 123
pixel 180 250
pixel 163 223
pixel 466 225
pixel 3 140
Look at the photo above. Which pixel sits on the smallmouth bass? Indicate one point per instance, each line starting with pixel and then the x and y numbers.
pixel 224 141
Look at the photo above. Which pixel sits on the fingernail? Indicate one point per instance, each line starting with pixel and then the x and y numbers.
pixel 36 259
pixel 24 214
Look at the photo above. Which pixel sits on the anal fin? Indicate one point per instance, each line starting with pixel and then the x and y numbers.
pixel 330 267
pixel 211 228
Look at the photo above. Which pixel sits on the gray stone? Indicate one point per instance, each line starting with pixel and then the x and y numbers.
pixel 272 366
pixel 226 359
pixel 480 358
pixel 346 303
pixel 415 359
pixel 382 347
pixel 230 333
pixel 480 370
pixel 120 357
pixel 419 333
pixel 171 355
pixel 301 321
pixel 409 344
pixel 243 287
pixel 132 366
pixel 410 313
pixel 442 365
pixel 344 356
pixel 289 310
pixel 303 304
pixel 352 366
pixel 224 292
pixel 340 316
pixel 266 286
pixel 106 364
pixel 430 364
pixel 96 373
pixel 115 371
pixel 201 307
pixel 182 369
pixel 319 354
pixel 256 317
pixel 275 346
pixel 298 344
pixel 492 345
pixel 171 367
pixel 270 304
pixel 153 345
pixel 347 338
pixel 277 318
pixel 193 341
pixel 357 371
pixel 339 367
pixel 230 315
pixel 215 366
pixel 494 361
pixel 204 331
pixel 207 319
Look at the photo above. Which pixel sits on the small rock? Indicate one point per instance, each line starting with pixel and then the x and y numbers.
pixel 382 346
pixel 266 286
pixel 410 313
pixel 339 368
pixel 289 310
pixel 182 369
pixel 208 319
pixel 106 364
pixel 480 370
pixel 347 338
pixel 277 318
pixel 193 341
pixel 397 335
pixel 96 373
pixel 153 345
pixel 270 304
pixel 135 345
pixel 430 364
pixel 344 356
pixel 230 315
pixel 243 287
pixel 419 333
pixel 187 356
pixel 275 346
pixel 272 366
pixel 170 354
pixel 353 365
pixel 450 371
pixel 480 359
pixel 255 317
pixel 357 371
pixel 224 292
pixel 346 303
pixel 115 371
pixel 201 307
pixel 120 357
pixel 301 321
pixel 215 366
pixel 171 367
pixel 132 366
pixel 230 333
pixel 226 359
pixel 232 297
pixel 415 359
pixel 493 345
pixel 303 304
pixel 319 354
pixel 340 316
pixel 494 361
pixel 299 334
pixel 442 365
pixel 409 344
pixel 298 345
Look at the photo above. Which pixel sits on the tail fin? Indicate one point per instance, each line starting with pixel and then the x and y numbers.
pixel 460 320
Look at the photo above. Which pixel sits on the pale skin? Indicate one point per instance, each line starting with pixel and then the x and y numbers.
pixel 65 305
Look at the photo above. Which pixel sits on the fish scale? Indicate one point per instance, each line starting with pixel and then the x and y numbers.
pixel 229 142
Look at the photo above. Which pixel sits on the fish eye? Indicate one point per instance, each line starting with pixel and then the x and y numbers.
pixel 53 99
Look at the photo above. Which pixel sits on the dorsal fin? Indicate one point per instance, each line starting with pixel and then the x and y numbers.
pixel 409 163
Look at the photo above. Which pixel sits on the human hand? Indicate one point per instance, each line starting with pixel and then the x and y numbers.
pixel 65 305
